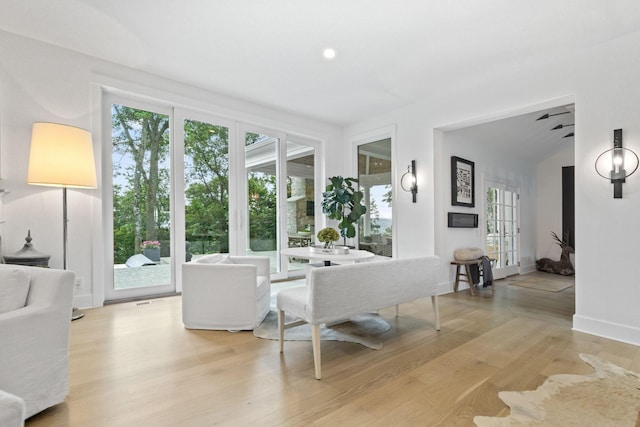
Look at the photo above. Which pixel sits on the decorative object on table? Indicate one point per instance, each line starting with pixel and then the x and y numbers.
pixel 617 163
pixel 462 182
pixel 409 181
pixel 151 249
pixel 28 255
pixel 608 397
pixel 564 266
pixel 343 202
pixel 327 236
pixel 62 156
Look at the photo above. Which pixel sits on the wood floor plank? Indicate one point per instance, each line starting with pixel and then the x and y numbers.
pixel 134 364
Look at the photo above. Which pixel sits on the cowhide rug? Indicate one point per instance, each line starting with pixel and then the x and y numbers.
pixel 608 397
pixel 363 329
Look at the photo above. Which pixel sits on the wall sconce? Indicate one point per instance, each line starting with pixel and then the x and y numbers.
pixel 615 164
pixel 408 181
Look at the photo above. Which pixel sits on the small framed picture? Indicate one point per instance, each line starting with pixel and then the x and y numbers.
pixel 462 182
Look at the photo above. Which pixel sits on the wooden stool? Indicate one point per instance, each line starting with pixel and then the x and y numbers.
pixel 466 276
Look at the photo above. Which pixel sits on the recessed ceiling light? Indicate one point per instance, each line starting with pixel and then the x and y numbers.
pixel 329 53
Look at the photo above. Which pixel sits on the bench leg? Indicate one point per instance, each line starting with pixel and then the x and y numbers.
pixel 397 310
pixel 455 286
pixel 467 269
pixel 315 340
pixel 434 303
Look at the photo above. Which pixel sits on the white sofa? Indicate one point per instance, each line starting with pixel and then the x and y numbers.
pixel 337 293
pixel 225 292
pixel 34 339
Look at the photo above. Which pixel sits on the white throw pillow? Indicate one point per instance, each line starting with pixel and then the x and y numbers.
pixel 467 254
pixel 14 288
pixel 226 260
pixel 209 259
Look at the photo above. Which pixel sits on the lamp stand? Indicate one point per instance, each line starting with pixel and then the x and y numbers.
pixel 75 313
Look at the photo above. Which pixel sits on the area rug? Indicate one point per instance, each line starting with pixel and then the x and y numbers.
pixel 542 284
pixel 363 329
pixel 608 397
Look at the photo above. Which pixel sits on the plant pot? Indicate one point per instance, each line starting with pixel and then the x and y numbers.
pixel 152 253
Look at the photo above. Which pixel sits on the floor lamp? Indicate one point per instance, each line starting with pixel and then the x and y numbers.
pixel 62 156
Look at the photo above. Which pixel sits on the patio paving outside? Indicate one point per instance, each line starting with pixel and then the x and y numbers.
pixel 160 274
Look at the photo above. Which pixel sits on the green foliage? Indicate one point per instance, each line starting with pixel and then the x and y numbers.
pixel 207 186
pixel 343 202
pixel 328 235
pixel 141 192
pixel 141 185
pixel 262 206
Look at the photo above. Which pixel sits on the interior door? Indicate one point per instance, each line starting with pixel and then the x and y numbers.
pixel 502 228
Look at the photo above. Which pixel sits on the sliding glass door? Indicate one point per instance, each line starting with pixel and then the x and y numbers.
pixel 206 187
pixel 141 189
pixel 262 167
pixel 185 184
pixel 280 176
pixel 301 199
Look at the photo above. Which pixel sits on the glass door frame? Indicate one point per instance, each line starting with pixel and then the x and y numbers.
pixel 319 219
pixel 240 217
pixel 178 177
pixel 502 272
pixel 110 293
pixel 238 191
pixel 388 132
pixel 242 206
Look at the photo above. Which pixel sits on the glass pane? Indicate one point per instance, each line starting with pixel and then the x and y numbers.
pixel 260 163
pixel 300 199
pixel 375 231
pixel 206 164
pixel 141 188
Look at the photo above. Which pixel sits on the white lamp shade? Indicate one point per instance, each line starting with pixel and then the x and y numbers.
pixel 61 156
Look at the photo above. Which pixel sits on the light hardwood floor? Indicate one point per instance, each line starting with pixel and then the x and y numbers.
pixel 134 364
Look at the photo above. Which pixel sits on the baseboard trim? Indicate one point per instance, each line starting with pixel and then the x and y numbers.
pixel 605 329
pixel 83 301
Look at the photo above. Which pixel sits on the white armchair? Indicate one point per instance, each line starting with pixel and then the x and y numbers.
pixel 11 410
pixel 34 339
pixel 225 292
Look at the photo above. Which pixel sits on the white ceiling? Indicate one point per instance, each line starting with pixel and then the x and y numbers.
pixel 389 53
pixel 524 135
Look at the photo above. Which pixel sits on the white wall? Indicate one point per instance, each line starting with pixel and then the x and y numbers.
pixel 603 83
pixel 549 206
pixel 40 82
pixel 498 167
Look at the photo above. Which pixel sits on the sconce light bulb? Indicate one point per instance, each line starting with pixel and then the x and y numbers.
pixel 617 160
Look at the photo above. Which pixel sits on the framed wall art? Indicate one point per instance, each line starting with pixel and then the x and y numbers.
pixel 462 182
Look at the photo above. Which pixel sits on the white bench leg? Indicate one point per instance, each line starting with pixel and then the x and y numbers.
pixel 281 329
pixel 315 340
pixel 434 303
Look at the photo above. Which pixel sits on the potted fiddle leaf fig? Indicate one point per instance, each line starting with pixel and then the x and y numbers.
pixel 342 201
